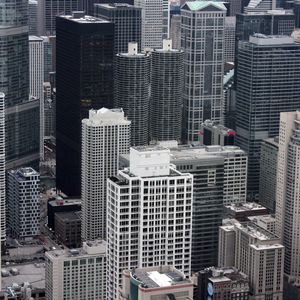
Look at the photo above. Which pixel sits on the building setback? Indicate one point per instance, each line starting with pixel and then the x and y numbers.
pixel 202 39
pixel 128 23
pixel 105 135
pixel 84 80
pixel 267 84
pixel 166 93
pixel 132 91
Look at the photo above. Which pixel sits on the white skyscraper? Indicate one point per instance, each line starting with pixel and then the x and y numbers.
pixel 202 39
pixel 105 135
pixel 153 27
pixel 149 216
pixel 77 273
pixel 288 192
pixel 36 79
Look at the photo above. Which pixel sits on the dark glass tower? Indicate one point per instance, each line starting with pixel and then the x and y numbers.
pixel 267 83
pixel 132 91
pixel 21 115
pixel 166 93
pixel 84 80
pixel 127 20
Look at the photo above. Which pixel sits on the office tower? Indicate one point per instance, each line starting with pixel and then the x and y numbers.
pixel 221 283
pixel 158 234
pixel 2 173
pixel 152 22
pixel 268 173
pixel 77 273
pixel 235 7
pixel 229 109
pixel 203 64
pixel 132 91
pixel 267 222
pixel 105 135
pixel 32 16
pixel 128 23
pixel 166 93
pixel 229 47
pixel 84 80
pixel 89 5
pixel 156 282
pixel 21 116
pixel 175 31
pixel 258 102
pixel 49 112
pixel 49 56
pixel 23 201
pixel 36 80
pixel 287 191
pixel 48 10
pixel 258 6
pixel 258 254
pixel 214 133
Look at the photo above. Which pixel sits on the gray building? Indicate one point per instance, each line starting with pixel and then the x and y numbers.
pixel 202 38
pixel 175 31
pixel 23 197
pixel 128 23
pixel 166 93
pixel 267 84
pixel 229 47
pixel 268 173
pixel 132 91
pixel 22 114
pixel 32 16
pixel 2 172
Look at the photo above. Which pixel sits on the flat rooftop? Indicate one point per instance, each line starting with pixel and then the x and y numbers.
pixel 115 6
pixel 246 206
pixel 64 202
pixel 84 19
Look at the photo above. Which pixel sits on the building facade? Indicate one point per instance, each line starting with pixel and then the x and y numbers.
pixel 229 47
pixel 84 80
pixel 166 93
pixel 77 273
pixel 258 103
pixel 105 135
pixel 32 16
pixel 128 23
pixel 202 39
pixel 23 197
pixel 149 216
pixel 132 72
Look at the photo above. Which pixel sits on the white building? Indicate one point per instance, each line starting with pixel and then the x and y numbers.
pixel 149 216
pixel 77 273
pixel 202 39
pixel 153 12
pixel 23 201
pixel 105 135
pixel 36 79
pixel 287 191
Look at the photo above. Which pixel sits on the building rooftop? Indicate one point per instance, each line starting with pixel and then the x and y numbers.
pixel 273 141
pixel 269 40
pixel 35 38
pixel 24 173
pixel 80 17
pixel 277 11
pixel 262 218
pixel 215 125
pixel 267 247
pixel 64 202
pixel 246 206
pixel 115 6
pixel 199 5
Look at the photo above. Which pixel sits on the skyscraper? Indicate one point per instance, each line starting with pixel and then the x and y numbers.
pixel 132 91
pixel 84 77
pixel 36 79
pixel 202 38
pixel 149 216
pixel 287 191
pixel 21 116
pixel 166 93
pixel 32 16
pixel 128 23
pixel 229 47
pixel 275 61
pixel 105 135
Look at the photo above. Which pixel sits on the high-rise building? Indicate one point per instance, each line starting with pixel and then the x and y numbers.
pixel 105 135
pixel 2 174
pixel 128 23
pixel 203 64
pixel 48 10
pixel 89 5
pixel 49 56
pixel 49 112
pixel 36 80
pixel 287 191
pixel 166 93
pixel 268 173
pixel 84 80
pixel 23 202
pixel 258 102
pixel 149 216
pixel 77 273
pixel 152 22
pixel 156 282
pixel 132 91
pixel 21 116
pixel 229 47
pixel 175 31
pixel 32 16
